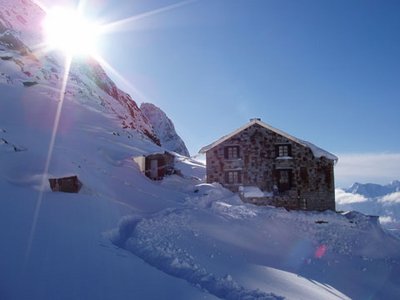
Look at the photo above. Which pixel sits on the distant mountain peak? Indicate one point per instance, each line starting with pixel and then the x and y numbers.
pixel 164 128
pixel 372 190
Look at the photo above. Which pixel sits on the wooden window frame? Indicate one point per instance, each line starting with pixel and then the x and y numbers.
pixel 233 177
pixel 232 152
pixel 283 150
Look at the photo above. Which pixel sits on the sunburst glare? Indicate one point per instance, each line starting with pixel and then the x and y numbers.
pixel 67 30
pixel 121 24
pixel 49 154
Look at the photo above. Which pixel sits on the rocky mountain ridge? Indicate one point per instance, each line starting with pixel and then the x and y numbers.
pixel 372 190
pixel 164 129
pixel 23 61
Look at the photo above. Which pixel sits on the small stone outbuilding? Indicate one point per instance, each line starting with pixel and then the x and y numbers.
pixel 290 172
pixel 69 184
pixel 156 165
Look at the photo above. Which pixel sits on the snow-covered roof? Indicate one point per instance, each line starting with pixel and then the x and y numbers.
pixel 317 152
pixel 151 153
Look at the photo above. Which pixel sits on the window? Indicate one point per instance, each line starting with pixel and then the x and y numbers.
pixel 232 152
pixel 284 176
pixel 233 177
pixel 283 150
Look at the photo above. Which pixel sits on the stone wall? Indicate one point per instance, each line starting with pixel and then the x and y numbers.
pixel 258 164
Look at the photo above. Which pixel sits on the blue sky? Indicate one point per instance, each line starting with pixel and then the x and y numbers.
pixel 324 71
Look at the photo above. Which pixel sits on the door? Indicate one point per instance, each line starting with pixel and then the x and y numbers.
pixel 284 180
pixel 154 169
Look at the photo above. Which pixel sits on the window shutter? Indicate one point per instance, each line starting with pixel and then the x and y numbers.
pixel 290 178
pixel 304 175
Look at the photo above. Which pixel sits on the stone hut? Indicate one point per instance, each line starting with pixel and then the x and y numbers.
pixel 69 184
pixel 156 165
pixel 290 172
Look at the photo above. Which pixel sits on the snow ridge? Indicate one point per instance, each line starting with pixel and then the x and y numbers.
pixel 214 242
pixel 122 105
pixel 22 19
pixel 22 63
pixel 177 262
pixel 164 129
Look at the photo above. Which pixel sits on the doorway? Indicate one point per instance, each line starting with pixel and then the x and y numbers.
pixel 154 169
pixel 284 180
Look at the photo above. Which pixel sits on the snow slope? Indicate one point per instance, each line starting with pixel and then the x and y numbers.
pixel 24 62
pixel 69 257
pixel 238 251
pixel 191 240
pixel 125 236
pixel 164 128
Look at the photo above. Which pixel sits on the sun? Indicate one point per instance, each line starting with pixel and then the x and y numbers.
pixel 67 30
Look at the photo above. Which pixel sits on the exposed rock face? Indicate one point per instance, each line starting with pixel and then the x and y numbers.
pixel 122 104
pixel 164 129
pixel 88 84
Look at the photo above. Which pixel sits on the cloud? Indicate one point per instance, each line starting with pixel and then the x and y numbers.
pixel 391 198
pixel 346 198
pixel 386 220
pixel 379 168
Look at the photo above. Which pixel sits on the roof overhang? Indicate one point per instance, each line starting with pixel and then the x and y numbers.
pixel 317 151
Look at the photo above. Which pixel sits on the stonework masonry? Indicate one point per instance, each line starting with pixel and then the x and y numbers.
pixel 258 156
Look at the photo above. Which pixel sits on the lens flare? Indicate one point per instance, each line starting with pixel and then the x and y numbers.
pixel 67 30
pixel 320 251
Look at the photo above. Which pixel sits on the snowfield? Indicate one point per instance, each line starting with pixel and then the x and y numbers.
pixel 124 236
pixel 239 251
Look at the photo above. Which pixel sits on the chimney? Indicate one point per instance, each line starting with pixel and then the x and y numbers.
pixel 255 119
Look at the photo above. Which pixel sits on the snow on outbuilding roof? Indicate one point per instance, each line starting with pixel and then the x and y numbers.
pixel 317 152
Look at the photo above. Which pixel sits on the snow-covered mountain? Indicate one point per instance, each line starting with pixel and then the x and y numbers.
pixel 373 199
pixel 372 190
pixel 124 236
pixel 24 63
pixel 164 129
